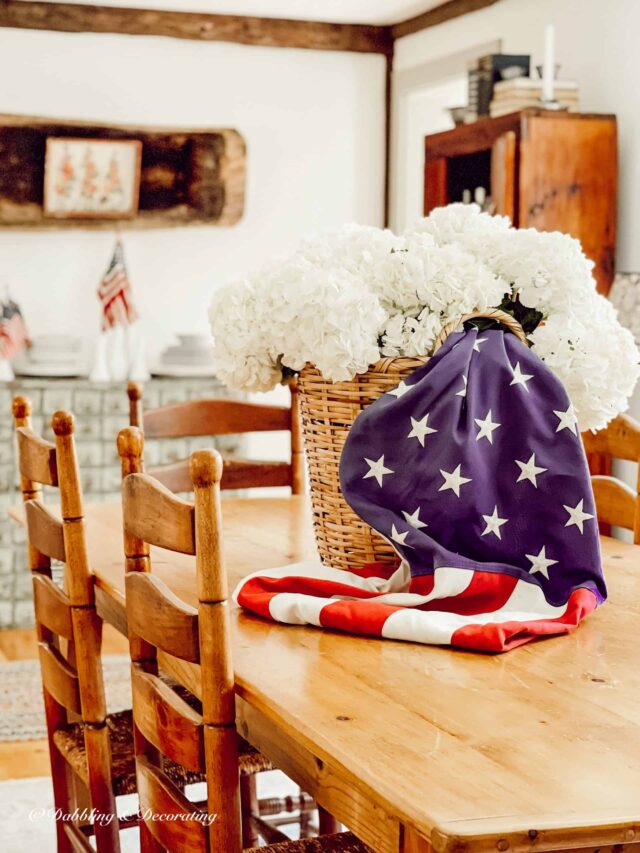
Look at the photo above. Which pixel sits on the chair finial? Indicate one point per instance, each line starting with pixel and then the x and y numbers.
pixel 205 467
pixel 63 423
pixel 21 407
pixel 134 391
pixel 130 442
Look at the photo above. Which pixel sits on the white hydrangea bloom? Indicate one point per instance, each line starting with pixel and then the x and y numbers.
pixel 350 295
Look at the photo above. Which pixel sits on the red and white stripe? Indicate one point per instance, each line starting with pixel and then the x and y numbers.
pixel 471 609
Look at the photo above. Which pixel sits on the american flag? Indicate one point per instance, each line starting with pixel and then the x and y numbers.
pixel 13 330
pixel 115 293
pixel 474 470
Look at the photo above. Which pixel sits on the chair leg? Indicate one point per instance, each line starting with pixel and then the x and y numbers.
pixel 59 772
pixel 327 824
pixel 106 828
pixel 148 844
pixel 305 819
pixel 250 808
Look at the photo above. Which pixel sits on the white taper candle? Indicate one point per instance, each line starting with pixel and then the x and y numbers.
pixel 549 65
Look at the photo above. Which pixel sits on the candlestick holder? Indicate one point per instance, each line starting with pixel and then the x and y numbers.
pixel 552 105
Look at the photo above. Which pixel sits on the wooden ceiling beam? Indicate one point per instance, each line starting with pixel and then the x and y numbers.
pixel 438 15
pixel 267 32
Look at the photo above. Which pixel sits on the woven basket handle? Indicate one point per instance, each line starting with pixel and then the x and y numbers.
pixel 491 314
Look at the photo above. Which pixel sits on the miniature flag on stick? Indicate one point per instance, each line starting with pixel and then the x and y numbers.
pixel 115 293
pixel 13 330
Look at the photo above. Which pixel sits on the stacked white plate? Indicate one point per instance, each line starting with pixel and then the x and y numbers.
pixel 51 355
pixel 190 357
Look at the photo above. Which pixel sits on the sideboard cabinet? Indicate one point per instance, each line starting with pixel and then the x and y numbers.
pixel 555 171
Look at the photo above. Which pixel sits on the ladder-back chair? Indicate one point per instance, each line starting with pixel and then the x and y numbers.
pixel 212 417
pixel 617 504
pixel 69 633
pixel 166 727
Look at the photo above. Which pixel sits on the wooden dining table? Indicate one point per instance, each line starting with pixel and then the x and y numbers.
pixel 418 748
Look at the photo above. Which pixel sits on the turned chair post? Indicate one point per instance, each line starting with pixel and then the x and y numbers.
pixel 134 393
pixel 218 695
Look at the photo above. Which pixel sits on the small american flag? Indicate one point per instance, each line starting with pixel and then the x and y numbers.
pixel 474 470
pixel 13 330
pixel 115 293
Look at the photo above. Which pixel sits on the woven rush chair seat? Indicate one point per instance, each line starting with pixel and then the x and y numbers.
pixel 70 743
pixel 343 842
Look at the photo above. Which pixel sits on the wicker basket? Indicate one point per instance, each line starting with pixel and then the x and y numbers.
pixel 328 410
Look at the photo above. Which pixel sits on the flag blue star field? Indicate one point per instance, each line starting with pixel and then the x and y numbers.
pixel 474 470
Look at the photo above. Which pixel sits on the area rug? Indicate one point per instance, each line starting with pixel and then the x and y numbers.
pixel 27 821
pixel 21 705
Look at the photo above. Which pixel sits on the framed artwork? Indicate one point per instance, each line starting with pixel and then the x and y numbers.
pixel 91 178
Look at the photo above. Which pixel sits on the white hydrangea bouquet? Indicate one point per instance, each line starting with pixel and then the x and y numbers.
pixel 355 294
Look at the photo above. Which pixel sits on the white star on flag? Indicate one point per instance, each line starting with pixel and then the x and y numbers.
pixel 399 537
pixel 401 389
pixel 540 563
pixel 520 378
pixel 419 429
pixel 477 343
pixel 453 480
pixel 414 519
pixel 377 469
pixel 567 420
pixel 494 523
pixel 577 516
pixel 463 391
pixel 529 470
pixel 487 427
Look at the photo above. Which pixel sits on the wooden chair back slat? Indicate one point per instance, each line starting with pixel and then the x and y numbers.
pixel 620 439
pixel 45 531
pixel 59 678
pixel 617 504
pixel 152 513
pixel 160 797
pixel 214 417
pixel 211 417
pixel 52 606
pixel 36 457
pixel 615 500
pixel 237 474
pixel 166 721
pixel 158 616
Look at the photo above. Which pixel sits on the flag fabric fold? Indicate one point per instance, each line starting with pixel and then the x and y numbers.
pixel 474 470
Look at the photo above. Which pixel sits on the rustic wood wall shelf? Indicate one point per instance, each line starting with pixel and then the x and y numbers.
pixel 188 177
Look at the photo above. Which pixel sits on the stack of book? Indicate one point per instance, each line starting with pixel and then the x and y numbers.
pixel 485 72
pixel 510 96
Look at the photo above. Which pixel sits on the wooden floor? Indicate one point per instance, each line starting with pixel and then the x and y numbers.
pixel 31 757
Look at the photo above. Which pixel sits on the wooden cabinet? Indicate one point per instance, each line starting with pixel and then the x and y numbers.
pixel 554 171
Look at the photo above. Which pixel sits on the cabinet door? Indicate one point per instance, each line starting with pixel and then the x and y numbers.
pixel 435 184
pixel 568 182
pixel 503 175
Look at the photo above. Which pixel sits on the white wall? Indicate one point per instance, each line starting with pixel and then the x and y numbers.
pixel 313 122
